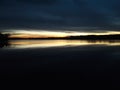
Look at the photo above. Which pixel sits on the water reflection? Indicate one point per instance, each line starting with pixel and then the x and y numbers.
pixel 4 44
pixel 54 43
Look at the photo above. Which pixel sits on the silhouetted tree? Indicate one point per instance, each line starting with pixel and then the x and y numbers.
pixel 4 36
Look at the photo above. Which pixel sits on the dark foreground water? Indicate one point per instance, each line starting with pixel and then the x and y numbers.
pixel 94 63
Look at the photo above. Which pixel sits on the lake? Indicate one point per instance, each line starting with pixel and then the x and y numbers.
pixel 90 62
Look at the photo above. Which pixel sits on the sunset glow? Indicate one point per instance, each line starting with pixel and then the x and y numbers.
pixel 48 34
pixel 36 34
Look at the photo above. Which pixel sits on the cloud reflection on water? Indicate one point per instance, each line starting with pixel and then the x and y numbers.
pixel 20 44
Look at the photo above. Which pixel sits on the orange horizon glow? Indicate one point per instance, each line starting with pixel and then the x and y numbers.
pixel 48 34
pixel 35 34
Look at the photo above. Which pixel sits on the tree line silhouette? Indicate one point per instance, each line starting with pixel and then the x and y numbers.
pixel 4 36
pixel 4 40
pixel 97 37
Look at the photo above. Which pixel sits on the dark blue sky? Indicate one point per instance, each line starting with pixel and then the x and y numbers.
pixel 86 15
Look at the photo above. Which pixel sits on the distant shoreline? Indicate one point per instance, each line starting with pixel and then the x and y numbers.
pixel 86 37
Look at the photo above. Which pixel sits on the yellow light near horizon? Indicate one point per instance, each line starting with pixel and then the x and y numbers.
pixel 47 34
pixel 34 34
pixel 94 33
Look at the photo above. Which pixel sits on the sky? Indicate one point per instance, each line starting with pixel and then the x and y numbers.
pixel 60 15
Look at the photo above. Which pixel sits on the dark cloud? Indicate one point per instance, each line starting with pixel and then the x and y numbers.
pixel 48 2
pixel 57 14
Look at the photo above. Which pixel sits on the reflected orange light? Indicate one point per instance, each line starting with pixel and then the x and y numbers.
pixel 58 43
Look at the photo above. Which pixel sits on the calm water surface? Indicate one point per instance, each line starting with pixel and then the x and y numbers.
pixel 92 62
pixel 22 44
